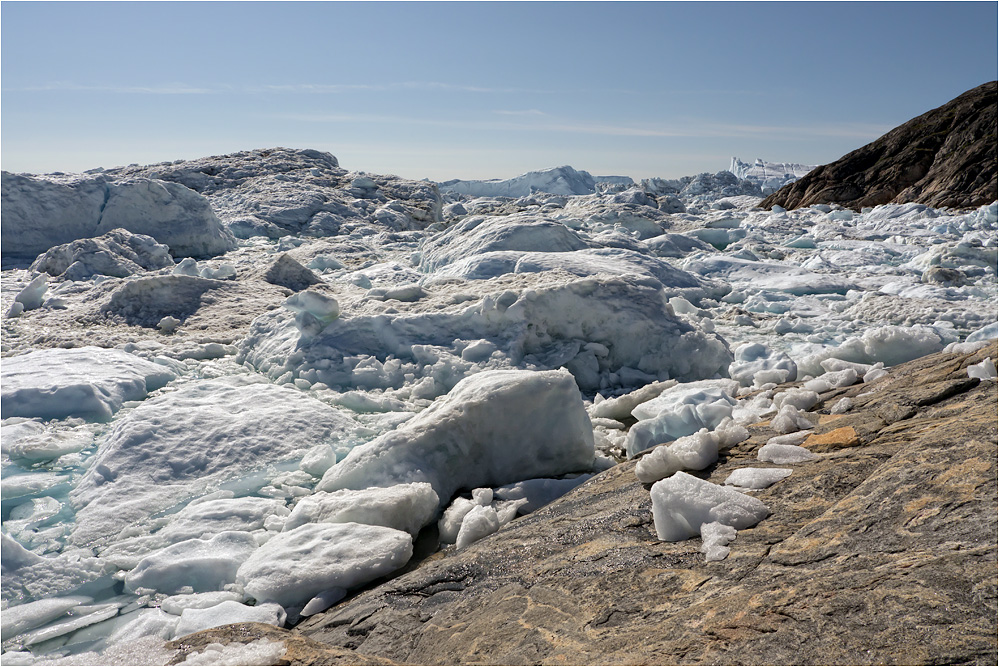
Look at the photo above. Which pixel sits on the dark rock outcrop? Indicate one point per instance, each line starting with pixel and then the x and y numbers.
pixel 946 157
pixel 883 551
pixel 289 272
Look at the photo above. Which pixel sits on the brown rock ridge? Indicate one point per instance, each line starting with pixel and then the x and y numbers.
pixel 882 551
pixel 946 157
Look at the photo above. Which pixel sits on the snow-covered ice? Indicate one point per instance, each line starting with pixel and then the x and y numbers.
pixel 259 652
pixel 790 419
pixel 204 565
pixel 44 212
pixel 117 253
pixel 691 452
pixel 480 522
pixel 679 411
pixel 714 538
pixel 608 331
pixel 406 507
pixel 224 613
pixel 174 447
pixel 756 364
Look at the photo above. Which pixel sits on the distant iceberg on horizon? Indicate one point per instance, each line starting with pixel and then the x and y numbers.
pixel 770 176
pixel 562 180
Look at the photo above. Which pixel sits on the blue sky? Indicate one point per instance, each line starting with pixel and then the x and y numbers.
pixel 478 90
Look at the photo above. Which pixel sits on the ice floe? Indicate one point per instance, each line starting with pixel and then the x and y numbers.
pixel 88 382
pixel 173 448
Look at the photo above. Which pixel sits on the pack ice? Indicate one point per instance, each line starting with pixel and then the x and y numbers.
pixel 242 387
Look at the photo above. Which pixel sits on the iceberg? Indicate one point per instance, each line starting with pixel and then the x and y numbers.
pixel 770 176
pixel 558 180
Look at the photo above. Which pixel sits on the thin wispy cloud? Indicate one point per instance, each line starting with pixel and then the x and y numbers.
pixel 335 88
pixel 155 89
pixel 283 88
pixel 525 121
pixel 523 112
pixel 845 130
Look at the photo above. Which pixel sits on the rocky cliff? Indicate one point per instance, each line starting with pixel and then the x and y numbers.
pixel 882 551
pixel 946 157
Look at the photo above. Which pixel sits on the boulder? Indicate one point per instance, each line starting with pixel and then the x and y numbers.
pixel 287 272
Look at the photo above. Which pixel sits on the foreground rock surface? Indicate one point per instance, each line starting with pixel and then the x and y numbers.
pixel 945 157
pixel 299 650
pixel 882 551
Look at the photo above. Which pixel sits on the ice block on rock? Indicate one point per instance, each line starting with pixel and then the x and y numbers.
pixel 756 478
pixel 681 504
pixel 406 507
pixel 193 620
pixel 292 568
pixel 784 454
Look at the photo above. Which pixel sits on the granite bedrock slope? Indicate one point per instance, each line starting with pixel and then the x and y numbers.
pixel 883 551
pixel 944 157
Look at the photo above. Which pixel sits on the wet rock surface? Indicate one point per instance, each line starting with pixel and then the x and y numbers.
pixel 881 551
pixel 945 157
